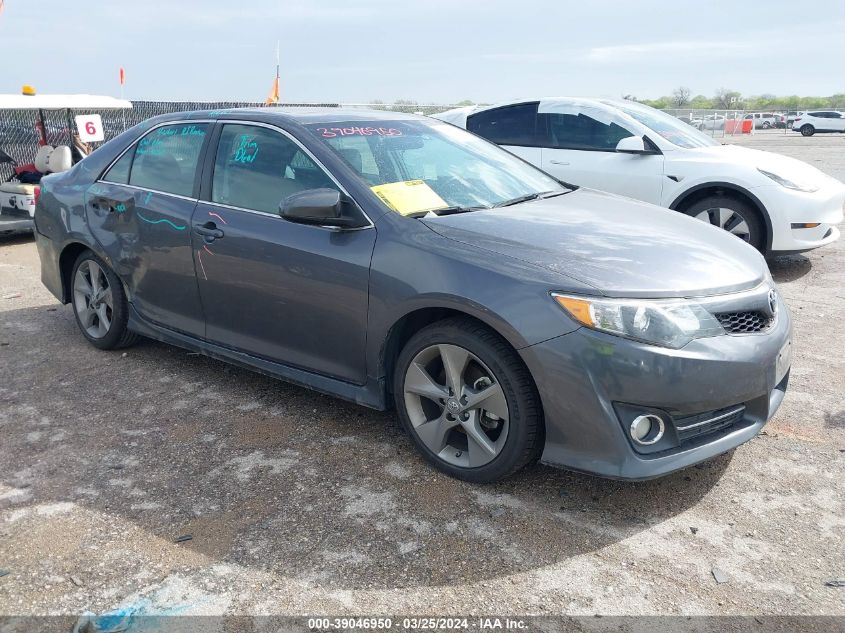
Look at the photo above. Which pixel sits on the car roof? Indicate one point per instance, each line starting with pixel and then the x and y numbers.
pixel 293 114
pixel 459 115
pixel 594 102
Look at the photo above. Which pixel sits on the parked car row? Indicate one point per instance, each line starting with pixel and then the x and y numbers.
pixel 506 309
pixel 807 123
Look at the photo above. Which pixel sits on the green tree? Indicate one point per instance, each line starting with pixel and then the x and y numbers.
pixel 837 100
pixel 700 102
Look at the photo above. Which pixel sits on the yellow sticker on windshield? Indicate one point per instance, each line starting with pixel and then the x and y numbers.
pixel 409 196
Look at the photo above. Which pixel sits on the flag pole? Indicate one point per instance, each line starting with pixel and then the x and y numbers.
pixel 277 67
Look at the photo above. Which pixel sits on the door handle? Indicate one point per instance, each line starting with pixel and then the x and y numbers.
pixel 209 231
pixel 558 162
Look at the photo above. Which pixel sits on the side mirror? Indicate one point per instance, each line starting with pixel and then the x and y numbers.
pixel 321 207
pixel 633 145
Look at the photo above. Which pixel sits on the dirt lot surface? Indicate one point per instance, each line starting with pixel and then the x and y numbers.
pixel 298 503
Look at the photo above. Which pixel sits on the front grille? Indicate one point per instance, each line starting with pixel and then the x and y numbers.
pixel 706 423
pixel 744 322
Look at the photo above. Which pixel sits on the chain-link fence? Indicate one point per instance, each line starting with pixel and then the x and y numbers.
pixel 20 139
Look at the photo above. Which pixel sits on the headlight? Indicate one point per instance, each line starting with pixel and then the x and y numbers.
pixel 806 187
pixel 670 323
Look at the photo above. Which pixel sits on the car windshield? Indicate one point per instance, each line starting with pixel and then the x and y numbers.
pixel 670 128
pixel 419 166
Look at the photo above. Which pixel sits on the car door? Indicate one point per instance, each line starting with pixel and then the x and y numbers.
pixel 514 127
pixel 837 121
pixel 140 213
pixel 824 121
pixel 291 293
pixel 581 148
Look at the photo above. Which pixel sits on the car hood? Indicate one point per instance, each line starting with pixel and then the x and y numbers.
pixel 620 247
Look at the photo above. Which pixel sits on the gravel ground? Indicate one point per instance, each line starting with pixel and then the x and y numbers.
pixel 298 503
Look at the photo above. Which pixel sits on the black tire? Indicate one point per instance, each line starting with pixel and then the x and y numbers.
pixel 118 335
pixel 524 441
pixel 745 211
pixel 766 125
pixel 807 130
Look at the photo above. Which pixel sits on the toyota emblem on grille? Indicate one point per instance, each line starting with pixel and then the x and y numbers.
pixel 773 301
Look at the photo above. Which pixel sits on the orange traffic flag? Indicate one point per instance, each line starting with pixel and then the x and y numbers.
pixel 273 97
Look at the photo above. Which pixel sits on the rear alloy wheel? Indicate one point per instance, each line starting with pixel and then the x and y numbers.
pixel 733 215
pixel 99 303
pixel 766 125
pixel 467 401
pixel 807 130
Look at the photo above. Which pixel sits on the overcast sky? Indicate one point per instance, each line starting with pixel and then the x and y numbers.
pixel 437 51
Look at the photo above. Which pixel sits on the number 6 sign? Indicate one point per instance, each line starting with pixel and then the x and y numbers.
pixel 90 127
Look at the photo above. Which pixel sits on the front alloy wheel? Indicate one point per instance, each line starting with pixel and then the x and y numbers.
pixel 467 401
pixel 726 219
pixel 732 214
pixel 456 406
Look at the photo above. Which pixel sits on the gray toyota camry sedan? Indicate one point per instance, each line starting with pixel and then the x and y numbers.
pixel 395 260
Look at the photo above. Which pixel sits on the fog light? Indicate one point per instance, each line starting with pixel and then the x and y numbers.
pixel 647 429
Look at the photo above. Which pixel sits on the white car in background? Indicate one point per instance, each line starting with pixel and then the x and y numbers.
pixel 712 122
pixel 763 120
pixel 778 204
pixel 808 123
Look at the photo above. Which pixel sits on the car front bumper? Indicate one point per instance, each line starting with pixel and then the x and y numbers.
pixel 787 207
pixel 591 384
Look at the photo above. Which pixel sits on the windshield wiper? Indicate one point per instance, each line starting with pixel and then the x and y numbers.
pixel 456 209
pixel 529 196
pixel 444 211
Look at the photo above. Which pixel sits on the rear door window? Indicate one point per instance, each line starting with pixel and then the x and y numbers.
pixel 510 125
pixel 166 159
pixel 256 168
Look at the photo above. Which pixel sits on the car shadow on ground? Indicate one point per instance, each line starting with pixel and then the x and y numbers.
pixel 788 268
pixel 275 477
